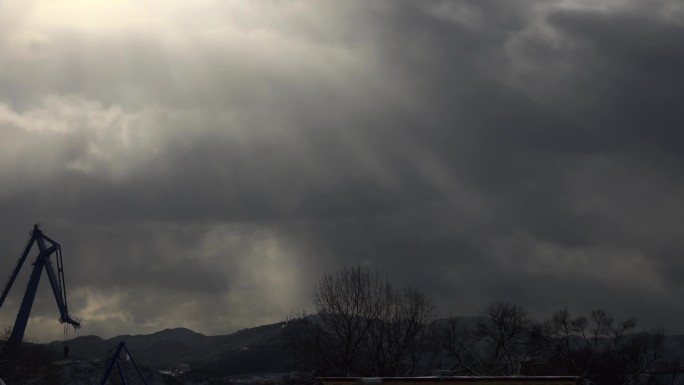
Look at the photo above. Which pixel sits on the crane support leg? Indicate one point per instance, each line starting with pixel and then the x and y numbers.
pixel 26 304
pixel 114 358
pixel 121 373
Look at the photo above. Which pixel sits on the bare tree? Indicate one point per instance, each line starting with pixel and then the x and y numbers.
pixel 309 344
pixel 498 343
pixel 363 326
pixel 401 337
pixel 504 331
pixel 461 348
pixel 601 349
pixel 348 302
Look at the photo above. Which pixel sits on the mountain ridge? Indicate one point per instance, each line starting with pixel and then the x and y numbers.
pixel 260 349
pixel 256 350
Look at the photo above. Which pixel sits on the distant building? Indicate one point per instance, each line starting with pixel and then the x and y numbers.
pixel 180 369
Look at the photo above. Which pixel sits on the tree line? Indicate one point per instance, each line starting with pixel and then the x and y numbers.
pixel 363 325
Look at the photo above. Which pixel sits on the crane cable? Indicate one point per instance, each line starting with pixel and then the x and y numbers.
pixel 66 340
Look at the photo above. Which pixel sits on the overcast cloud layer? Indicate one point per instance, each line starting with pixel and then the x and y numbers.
pixel 203 163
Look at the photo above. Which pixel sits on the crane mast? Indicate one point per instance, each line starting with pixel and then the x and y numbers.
pixel 46 247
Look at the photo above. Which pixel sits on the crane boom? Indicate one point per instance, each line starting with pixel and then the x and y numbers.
pixel 46 247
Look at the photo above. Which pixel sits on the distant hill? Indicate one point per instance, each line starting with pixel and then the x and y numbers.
pixel 255 350
pixel 258 350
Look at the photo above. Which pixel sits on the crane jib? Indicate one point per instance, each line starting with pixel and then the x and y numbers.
pixel 47 247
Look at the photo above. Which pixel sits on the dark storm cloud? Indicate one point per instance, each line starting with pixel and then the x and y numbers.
pixel 217 160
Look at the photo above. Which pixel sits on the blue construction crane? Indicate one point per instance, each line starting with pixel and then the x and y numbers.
pixel 46 247
pixel 114 358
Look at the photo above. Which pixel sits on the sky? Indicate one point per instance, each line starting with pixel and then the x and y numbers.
pixel 203 163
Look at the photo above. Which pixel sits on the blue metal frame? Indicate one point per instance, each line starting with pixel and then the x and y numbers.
pixel 114 357
pixel 46 248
